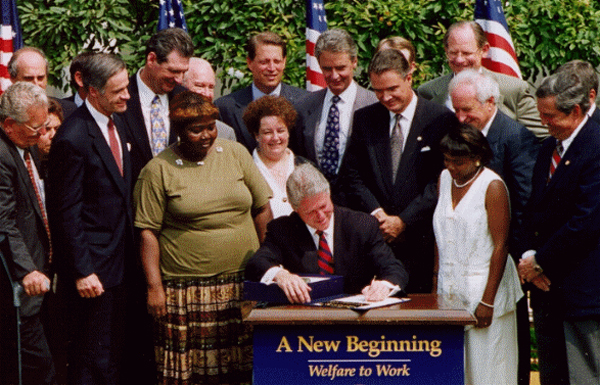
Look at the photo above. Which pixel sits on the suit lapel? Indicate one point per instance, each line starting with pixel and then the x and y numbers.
pixel 241 102
pixel 313 116
pixel 306 245
pixel 135 119
pixel 103 150
pixel 413 140
pixel 380 150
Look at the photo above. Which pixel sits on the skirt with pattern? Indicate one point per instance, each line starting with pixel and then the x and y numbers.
pixel 202 339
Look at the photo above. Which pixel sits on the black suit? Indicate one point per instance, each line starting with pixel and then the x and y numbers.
pixel 21 219
pixel 367 174
pixel 68 106
pixel 137 135
pixel 89 203
pixel 232 107
pixel 596 115
pixel 359 251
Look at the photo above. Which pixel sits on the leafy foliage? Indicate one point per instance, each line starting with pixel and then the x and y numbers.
pixel 546 33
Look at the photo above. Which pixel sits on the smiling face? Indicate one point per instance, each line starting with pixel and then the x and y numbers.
pixel 163 77
pixel 393 91
pixel 316 210
pixel 197 138
pixel 45 140
pixel 462 51
pixel 560 125
pixel 267 67
pixel 115 95
pixel 338 70
pixel 272 138
pixel 468 109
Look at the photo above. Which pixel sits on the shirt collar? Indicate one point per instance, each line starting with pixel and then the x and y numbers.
pixel 146 94
pixel 346 96
pixel 486 129
pixel 328 231
pixel 409 111
pixel 257 94
pixel 99 117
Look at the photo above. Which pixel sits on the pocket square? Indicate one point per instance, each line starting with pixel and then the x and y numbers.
pixel 426 148
pixel 128 146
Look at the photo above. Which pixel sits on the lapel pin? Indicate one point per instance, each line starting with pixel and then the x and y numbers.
pixel 568 162
pixel 419 138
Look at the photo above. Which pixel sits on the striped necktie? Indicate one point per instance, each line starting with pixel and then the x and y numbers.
pixel 325 258
pixel 556 157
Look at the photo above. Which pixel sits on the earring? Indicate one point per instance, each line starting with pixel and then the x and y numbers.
pixel 477 163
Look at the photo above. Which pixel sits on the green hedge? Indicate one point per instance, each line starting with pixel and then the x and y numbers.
pixel 546 33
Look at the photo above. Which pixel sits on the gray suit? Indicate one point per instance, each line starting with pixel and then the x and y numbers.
pixel 232 108
pixel 515 99
pixel 225 131
pixel 310 109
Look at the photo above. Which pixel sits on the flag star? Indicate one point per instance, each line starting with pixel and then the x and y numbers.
pixel 162 2
pixel 171 25
pixel 171 12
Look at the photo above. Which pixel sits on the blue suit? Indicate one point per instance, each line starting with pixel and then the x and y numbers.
pixel 562 224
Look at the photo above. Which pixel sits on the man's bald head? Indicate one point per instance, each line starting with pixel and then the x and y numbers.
pixel 200 78
pixel 29 64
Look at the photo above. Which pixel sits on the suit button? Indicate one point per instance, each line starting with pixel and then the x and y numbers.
pixel 537 234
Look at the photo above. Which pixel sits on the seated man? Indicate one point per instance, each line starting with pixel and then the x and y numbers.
pixel 320 238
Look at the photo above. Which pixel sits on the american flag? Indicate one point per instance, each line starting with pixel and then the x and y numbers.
pixel 11 39
pixel 316 23
pixel 502 57
pixel 171 15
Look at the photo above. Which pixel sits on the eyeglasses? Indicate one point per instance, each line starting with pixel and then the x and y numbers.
pixel 35 129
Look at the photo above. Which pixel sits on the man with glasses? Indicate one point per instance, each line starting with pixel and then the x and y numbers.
pixel 24 110
pixel 466 45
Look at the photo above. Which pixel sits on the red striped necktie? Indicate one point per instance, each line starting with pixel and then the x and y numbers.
pixel 325 258
pixel 29 165
pixel 556 157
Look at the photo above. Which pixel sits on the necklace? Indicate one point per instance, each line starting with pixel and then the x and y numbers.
pixel 467 182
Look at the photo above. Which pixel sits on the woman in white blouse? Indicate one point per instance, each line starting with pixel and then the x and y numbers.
pixel 270 119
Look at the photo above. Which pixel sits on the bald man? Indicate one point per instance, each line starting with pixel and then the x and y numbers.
pixel 200 78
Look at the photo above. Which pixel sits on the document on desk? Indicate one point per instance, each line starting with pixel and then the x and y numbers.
pixel 358 302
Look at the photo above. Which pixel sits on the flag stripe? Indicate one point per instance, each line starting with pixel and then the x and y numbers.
pixel 11 39
pixel 316 23
pixel 501 57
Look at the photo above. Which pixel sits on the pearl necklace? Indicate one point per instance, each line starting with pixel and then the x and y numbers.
pixel 467 182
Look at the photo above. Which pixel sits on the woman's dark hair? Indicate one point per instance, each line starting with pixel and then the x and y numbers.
pixel 466 140
pixel 189 107
pixel 269 106
pixel 55 108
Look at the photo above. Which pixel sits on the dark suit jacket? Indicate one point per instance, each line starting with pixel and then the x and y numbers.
pixel 137 135
pixel 515 151
pixel 89 202
pixel 596 115
pixel 21 219
pixel 367 177
pixel 562 221
pixel 68 106
pixel 232 106
pixel 359 251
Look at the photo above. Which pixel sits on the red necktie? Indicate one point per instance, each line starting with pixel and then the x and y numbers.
pixel 114 144
pixel 556 157
pixel 27 158
pixel 325 258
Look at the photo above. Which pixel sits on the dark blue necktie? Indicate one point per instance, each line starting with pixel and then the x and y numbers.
pixel 330 156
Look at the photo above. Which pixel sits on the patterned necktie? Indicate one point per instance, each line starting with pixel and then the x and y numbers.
pixel 114 145
pixel 325 258
pixel 158 130
pixel 396 144
pixel 331 144
pixel 27 158
pixel 556 157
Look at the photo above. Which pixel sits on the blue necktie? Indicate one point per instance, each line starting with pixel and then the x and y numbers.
pixel 330 156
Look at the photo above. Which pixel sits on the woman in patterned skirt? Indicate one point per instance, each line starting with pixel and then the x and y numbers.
pixel 202 207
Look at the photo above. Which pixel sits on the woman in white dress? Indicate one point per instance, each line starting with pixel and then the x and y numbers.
pixel 471 224
pixel 270 119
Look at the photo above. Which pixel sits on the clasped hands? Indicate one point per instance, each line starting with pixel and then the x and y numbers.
pixel 529 271
pixel 297 290
pixel 391 226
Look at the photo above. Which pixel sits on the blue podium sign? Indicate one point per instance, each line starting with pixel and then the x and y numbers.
pixel 353 355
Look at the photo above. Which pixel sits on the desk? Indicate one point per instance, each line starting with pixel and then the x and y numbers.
pixel 415 342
